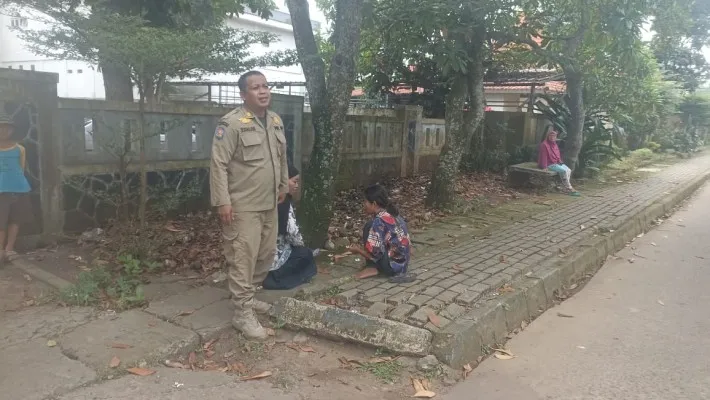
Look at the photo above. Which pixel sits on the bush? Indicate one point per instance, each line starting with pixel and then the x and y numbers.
pixel 653 146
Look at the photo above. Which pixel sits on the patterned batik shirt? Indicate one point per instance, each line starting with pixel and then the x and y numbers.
pixel 389 235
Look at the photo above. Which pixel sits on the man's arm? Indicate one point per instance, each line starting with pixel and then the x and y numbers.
pixel 224 144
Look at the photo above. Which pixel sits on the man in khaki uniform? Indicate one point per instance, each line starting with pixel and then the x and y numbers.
pixel 248 178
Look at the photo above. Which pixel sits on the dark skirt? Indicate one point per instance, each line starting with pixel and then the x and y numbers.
pixel 297 270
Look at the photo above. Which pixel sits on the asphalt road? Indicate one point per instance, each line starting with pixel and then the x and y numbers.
pixel 640 330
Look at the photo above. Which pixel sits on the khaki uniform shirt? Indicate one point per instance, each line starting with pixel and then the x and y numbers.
pixel 249 167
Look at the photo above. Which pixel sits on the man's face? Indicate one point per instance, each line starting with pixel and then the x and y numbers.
pixel 258 94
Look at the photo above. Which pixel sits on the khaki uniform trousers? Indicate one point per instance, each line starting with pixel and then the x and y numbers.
pixel 249 247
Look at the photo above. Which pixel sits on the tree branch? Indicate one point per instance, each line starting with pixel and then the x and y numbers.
pixel 307 48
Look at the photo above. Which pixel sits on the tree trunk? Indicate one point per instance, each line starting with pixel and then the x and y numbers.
pixel 461 127
pixel 575 104
pixel 329 107
pixel 117 82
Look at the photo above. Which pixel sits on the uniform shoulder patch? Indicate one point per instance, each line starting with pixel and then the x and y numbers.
pixel 219 132
pixel 222 123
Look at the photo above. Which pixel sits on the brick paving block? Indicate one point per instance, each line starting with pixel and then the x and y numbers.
pixel 453 311
pixel 421 316
pixel 419 300
pixel 370 284
pixel 478 278
pixel 378 298
pixel 433 291
pixel 447 296
pixel 435 304
pixel 459 288
pixel 350 285
pixel 468 297
pixel 378 310
pixel 401 312
pixel 496 281
pixel 480 287
pixel 348 295
pixel 373 292
pixel 443 321
pixel 399 298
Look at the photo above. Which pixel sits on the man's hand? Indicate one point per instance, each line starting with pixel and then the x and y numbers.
pixel 225 214
pixel 282 197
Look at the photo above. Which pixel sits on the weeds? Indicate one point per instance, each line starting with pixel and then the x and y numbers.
pixel 387 372
pixel 120 289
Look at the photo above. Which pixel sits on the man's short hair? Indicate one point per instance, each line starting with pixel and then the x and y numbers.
pixel 242 82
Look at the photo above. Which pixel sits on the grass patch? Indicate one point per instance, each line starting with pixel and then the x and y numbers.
pixel 119 289
pixel 637 159
pixel 387 371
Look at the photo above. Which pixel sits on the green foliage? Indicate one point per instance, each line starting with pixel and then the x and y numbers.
pixel 522 154
pixel 185 42
pixel 598 135
pixel 387 371
pixel 120 289
pixel 682 28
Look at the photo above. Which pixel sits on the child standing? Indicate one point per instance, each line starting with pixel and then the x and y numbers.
pixel 15 206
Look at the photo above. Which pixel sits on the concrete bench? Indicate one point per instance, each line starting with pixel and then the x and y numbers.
pixel 529 175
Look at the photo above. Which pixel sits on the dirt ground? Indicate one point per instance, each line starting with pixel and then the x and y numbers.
pixel 315 367
pixel 18 290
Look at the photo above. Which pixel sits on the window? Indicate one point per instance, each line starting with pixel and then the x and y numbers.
pixel 19 23
pixel 79 71
pixel 32 67
pixel 163 136
pixel 22 67
pixel 69 71
pixel 193 134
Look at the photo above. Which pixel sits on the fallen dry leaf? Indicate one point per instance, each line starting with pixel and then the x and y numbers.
pixel 504 351
pixel 185 313
pixel 192 359
pixel 262 375
pixel 51 343
pixel 559 314
pixel 379 360
pixel 239 368
pixel 209 344
pixel 502 259
pixel 420 391
pixel 434 319
pixel 270 332
pixel 175 364
pixel 466 370
pixel 115 362
pixel 307 349
pixel 120 346
pixel 661 303
pixel 141 371
pixel 209 353
pixel 506 288
pixel 502 356
pixel 170 227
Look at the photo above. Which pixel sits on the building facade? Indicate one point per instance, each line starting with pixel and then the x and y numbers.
pixel 79 79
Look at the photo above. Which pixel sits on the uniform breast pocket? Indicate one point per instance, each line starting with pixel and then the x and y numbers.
pixel 252 150
pixel 280 142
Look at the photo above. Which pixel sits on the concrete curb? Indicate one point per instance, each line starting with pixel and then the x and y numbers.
pixel 342 324
pixel 42 275
pixel 468 338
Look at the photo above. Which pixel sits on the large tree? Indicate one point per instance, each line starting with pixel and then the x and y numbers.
pixel 444 47
pixel 681 30
pixel 577 36
pixel 329 93
pixel 70 23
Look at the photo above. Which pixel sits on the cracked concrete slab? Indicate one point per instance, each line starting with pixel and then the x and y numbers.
pixel 41 322
pixel 177 384
pixel 34 371
pixel 149 339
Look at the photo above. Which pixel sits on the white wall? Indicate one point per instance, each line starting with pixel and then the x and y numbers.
pixel 82 80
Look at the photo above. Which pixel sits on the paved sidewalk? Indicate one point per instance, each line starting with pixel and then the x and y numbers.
pixel 451 280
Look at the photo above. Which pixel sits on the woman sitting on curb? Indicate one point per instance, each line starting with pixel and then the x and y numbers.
pixel 385 239
pixel 548 157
